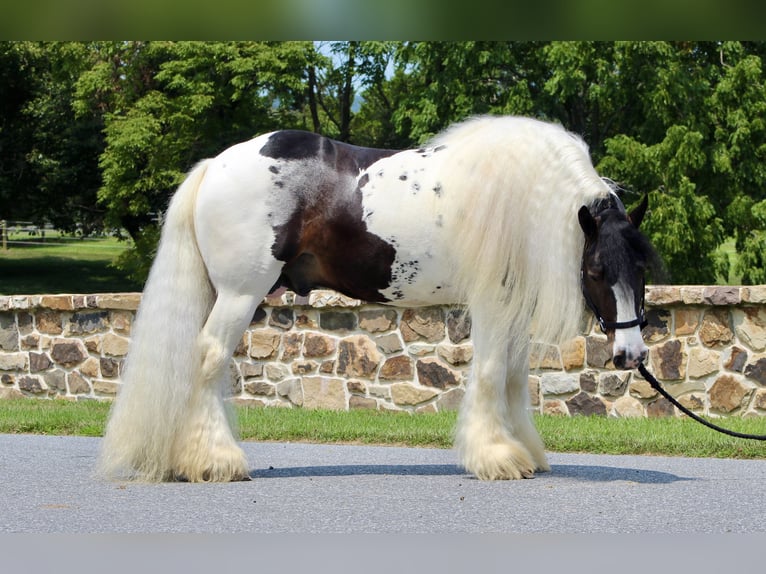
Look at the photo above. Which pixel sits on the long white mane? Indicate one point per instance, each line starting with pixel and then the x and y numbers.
pixel 517 237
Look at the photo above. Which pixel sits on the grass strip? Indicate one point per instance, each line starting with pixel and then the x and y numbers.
pixel 597 435
pixel 358 427
pixel 37 416
pixel 651 436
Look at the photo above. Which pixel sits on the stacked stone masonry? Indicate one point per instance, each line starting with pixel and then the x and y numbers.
pixel 707 346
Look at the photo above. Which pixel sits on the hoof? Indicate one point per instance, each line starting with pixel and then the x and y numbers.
pixel 209 476
pixel 223 465
pixel 500 461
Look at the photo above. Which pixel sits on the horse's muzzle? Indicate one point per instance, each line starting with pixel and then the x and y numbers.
pixel 623 359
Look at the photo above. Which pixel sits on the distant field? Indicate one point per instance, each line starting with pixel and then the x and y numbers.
pixel 61 264
pixel 729 249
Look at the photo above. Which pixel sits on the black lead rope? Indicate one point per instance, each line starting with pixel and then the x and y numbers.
pixel 657 387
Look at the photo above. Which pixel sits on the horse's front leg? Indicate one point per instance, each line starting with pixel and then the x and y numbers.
pixel 519 407
pixel 486 442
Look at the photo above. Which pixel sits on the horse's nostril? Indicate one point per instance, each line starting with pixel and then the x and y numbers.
pixel 619 360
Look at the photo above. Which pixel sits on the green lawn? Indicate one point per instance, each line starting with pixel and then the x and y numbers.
pixel 600 435
pixel 729 249
pixel 62 265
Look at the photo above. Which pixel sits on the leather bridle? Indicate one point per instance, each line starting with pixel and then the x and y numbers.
pixel 605 325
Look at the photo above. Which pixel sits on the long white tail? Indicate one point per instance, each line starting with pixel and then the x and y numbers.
pixel 149 411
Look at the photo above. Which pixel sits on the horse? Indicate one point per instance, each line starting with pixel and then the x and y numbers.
pixel 503 215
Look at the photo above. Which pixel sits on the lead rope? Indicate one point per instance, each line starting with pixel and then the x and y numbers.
pixel 657 387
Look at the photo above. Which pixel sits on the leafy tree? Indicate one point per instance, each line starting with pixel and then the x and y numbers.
pixel 17 87
pixel 48 158
pixel 350 96
pixel 699 153
pixel 65 151
pixel 683 225
pixel 448 81
pixel 738 159
pixel 108 129
pixel 167 105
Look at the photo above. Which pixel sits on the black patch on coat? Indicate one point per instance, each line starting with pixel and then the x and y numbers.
pixel 292 144
pixel 325 242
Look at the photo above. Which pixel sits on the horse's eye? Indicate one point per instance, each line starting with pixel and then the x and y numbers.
pixel 596 272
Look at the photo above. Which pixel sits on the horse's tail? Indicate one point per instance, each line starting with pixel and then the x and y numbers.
pixel 177 298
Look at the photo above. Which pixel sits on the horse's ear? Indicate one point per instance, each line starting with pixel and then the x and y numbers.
pixel 588 223
pixel 637 215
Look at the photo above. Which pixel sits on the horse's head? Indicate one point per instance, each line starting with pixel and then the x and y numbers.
pixel 614 261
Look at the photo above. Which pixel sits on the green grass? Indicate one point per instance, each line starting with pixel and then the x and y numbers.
pixel 362 427
pixel 663 436
pixel 36 416
pixel 597 435
pixel 62 265
pixel 729 249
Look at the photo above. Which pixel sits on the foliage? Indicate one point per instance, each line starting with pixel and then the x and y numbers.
pixel 103 132
pixel 49 160
pixel 445 82
pixel 683 225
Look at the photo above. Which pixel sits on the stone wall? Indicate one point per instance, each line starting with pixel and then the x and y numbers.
pixel 707 345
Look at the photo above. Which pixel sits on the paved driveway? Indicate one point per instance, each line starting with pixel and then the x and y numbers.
pixel 47 486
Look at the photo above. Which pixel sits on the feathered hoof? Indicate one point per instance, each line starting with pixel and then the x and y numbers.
pixel 225 465
pixel 500 461
pixel 210 476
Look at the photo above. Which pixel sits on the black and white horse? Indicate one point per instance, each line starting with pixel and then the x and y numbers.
pixel 505 215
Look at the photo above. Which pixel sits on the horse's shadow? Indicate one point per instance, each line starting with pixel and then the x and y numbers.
pixel 584 473
pixel 359 470
pixel 595 473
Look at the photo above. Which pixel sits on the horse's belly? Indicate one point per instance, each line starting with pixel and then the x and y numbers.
pixel 418 279
pixel 403 203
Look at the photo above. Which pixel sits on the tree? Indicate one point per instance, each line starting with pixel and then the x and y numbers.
pixel 700 153
pixel 48 157
pixel 106 130
pixel 17 87
pixel 683 225
pixel 449 81
pixel 346 85
pixel 738 158
pixel 681 121
pixel 167 105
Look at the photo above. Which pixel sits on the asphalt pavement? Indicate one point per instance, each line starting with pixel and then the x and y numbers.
pixel 47 486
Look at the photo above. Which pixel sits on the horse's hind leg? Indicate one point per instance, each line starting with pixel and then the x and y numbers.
pixel 205 448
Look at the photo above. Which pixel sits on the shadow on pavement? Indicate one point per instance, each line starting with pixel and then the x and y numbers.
pixel 585 473
pixel 360 469
pixel 592 473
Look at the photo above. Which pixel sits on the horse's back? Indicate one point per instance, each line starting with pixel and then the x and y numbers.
pixel 388 226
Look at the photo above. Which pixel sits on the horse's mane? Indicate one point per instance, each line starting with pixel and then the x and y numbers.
pixel 517 238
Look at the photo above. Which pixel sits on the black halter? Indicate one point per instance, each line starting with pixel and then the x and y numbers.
pixel 611 201
pixel 639 321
